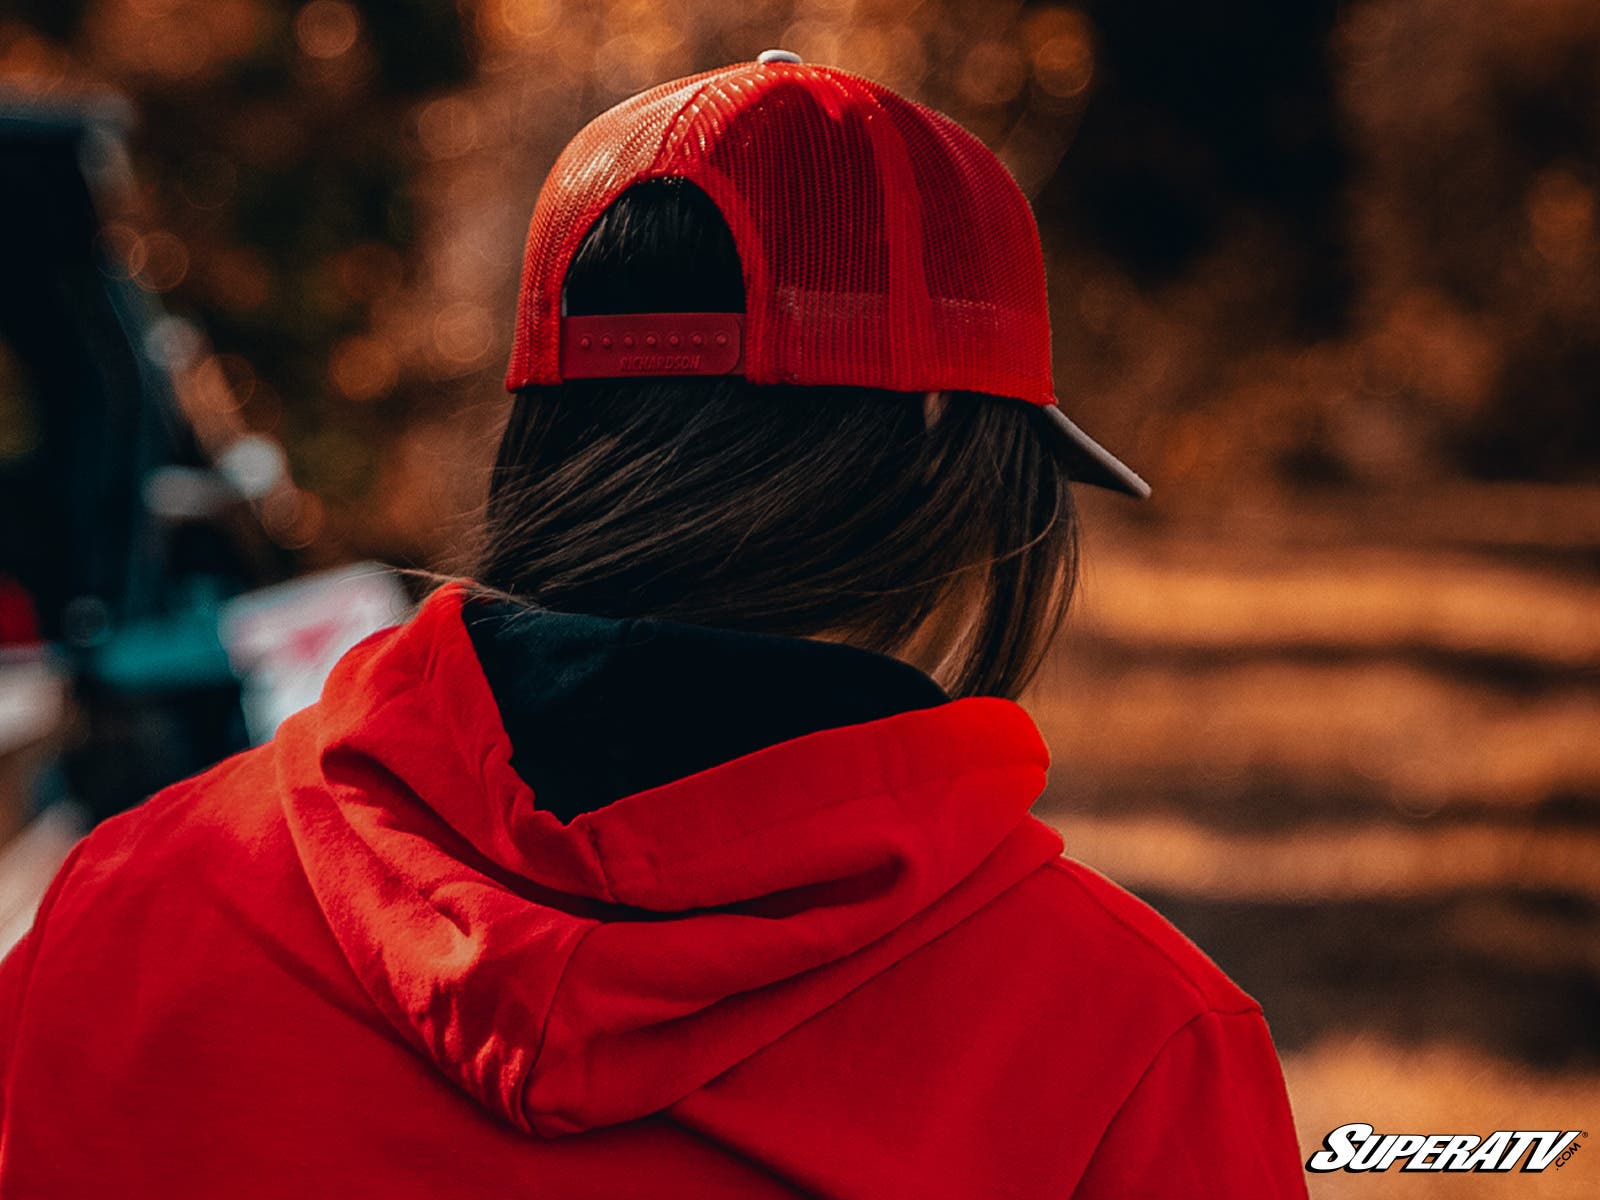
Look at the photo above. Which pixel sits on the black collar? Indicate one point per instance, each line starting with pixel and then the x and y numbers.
pixel 598 709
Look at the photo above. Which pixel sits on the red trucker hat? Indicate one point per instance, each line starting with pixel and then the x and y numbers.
pixel 882 246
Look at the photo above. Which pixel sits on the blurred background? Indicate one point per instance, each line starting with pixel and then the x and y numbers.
pixel 1325 273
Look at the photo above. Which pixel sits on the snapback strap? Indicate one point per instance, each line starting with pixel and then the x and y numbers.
pixel 613 346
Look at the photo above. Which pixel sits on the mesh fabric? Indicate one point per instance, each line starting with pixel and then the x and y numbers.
pixel 881 244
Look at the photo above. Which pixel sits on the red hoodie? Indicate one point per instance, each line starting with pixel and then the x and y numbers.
pixel 362 961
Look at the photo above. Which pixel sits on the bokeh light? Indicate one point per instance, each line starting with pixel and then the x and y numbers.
pixel 363 368
pixel 327 28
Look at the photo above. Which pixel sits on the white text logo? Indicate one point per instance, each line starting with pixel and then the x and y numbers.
pixel 1356 1147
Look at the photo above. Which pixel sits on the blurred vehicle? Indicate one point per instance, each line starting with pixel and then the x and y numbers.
pixel 125 536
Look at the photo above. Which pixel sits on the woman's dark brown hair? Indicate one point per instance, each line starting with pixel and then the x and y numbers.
pixel 789 510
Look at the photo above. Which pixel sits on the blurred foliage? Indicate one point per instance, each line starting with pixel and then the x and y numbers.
pixel 270 196
pixel 1309 244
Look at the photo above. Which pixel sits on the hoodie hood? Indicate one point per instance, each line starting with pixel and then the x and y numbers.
pixel 576 973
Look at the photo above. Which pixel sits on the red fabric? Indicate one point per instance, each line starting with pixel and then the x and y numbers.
pixel 19 619
pixel 361 961
pixel 882 245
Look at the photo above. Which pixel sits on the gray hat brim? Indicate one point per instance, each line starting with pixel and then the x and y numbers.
pixel 1087 461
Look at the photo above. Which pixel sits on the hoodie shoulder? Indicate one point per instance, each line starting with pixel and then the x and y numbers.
pixel 1069 929
pixel 1144 938
pixel 1094 980
pixel 226 809
pixel 161 867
